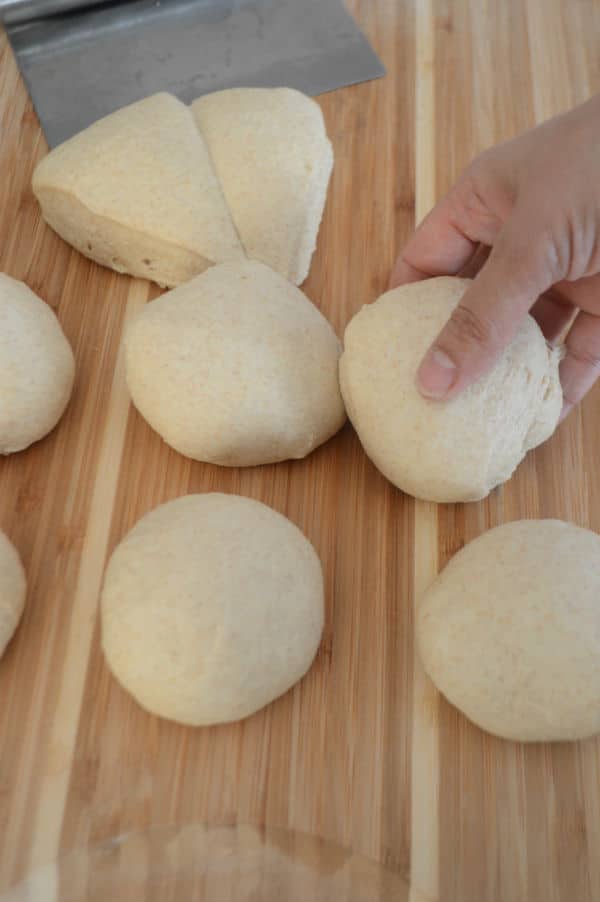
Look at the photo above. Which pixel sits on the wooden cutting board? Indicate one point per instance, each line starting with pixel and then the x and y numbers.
pixel 363 752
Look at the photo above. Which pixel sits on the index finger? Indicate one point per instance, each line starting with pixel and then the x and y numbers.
pixel 580 368
pixel 438 246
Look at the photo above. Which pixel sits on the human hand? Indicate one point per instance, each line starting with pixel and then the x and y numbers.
pixel 535 201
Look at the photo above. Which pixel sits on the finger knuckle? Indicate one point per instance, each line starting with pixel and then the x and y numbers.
pixel 471 184
pixel 552 253
pixel 533 248
pixel 587 357
pixel 470 328
pixel 570 398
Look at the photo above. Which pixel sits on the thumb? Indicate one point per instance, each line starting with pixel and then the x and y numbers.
pixel 488 317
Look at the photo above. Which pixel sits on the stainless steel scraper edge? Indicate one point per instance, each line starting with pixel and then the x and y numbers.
pixel 85 63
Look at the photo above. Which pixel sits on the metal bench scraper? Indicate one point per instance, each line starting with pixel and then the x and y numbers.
pixel 83 60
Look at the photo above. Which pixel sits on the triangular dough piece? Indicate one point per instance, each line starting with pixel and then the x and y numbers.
pixel 271 153
pixel 136 191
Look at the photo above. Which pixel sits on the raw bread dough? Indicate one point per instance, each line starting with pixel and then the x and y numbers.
pixel 212 607
pixel 236 368
pixel 457 450
pixel 36 367
pixel 510 631
pixel 136 191
pixel 139 190
pixel 12 591
pixel 273 159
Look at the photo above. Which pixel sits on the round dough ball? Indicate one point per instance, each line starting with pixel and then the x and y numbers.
pixel 212 607
pixel 36 367
pixel 12 591
pixel 236 368
pixel 443 451
pixel 510 631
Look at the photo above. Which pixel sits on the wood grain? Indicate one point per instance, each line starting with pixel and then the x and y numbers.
pixel 362 752
pixel 424 871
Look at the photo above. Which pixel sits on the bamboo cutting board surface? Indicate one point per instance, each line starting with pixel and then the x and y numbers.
pixel 363 752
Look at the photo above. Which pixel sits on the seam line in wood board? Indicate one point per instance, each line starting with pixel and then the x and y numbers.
pixel 47 827
pixel 424 846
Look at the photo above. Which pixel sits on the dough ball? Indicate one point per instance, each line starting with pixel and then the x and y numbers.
pixel 12 591
pixel 510 631
pixel 236 368
pixel 212 607
pixel 443 451
pixel 36 367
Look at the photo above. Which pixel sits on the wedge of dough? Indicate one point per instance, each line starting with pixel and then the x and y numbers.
pixel 136 191
pixel 271 153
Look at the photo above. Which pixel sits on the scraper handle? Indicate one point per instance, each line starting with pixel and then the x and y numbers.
pixel 17 12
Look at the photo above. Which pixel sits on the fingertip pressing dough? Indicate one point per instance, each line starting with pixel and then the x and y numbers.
pixel 12 591
pixel 212 607
pixel 510 631
pixel 443 451
pixel 273 158
pixel 136 191
pixel 37 367
pixel 236 368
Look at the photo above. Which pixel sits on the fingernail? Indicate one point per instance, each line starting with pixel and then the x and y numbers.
pixel 436 375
